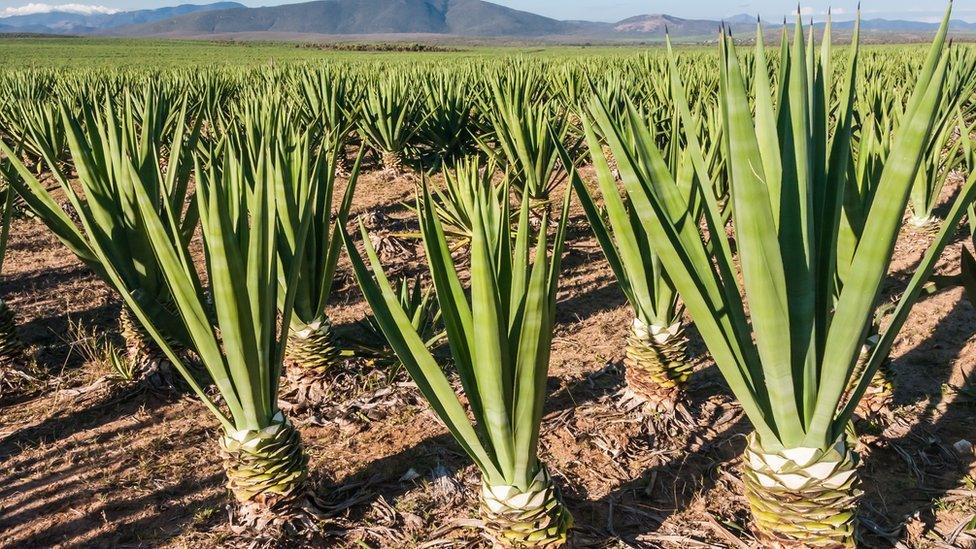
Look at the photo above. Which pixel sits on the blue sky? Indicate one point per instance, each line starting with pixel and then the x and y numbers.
pixel 608 10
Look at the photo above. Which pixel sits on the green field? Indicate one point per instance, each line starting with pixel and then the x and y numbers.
pixel 57 52
pixel 140 53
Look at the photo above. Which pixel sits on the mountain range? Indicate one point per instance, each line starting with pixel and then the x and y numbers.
pixel 451 18
pixel 73 22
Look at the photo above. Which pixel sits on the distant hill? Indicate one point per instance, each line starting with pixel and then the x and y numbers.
pixel 742 19
pixel 456 17
pixel 415 19
pixel 658 24
pixel 68 22
pixel 900 26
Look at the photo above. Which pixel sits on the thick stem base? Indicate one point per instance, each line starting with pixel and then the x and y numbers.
pixel 266 471
pixel 146 360
pixel 657 363
pixel 532 518
pixel 314 348
pixel 803 497
pixel 924 223
pixel 392 163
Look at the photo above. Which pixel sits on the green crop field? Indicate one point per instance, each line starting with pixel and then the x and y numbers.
pixel 70 52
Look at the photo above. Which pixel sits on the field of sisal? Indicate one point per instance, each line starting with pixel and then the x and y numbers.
pixel 709 297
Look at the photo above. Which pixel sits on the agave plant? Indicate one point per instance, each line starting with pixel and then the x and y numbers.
pixel 656 356
pixel 419 305
pixel 105 143
pixel 788 359
pixel 308 183
pixel 329 100
pixel 308 166
pixel 37 127
pixel 525 140
pixel 943 156
pixel 462 187
pixel 232 324
pixel 389 118
pixel 500 342
pixel 211 93
pixel 449 120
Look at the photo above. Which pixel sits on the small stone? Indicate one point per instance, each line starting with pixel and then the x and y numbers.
pixel 411 474
pixel 964 447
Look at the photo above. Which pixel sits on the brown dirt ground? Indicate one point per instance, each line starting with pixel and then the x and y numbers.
pixel 125 467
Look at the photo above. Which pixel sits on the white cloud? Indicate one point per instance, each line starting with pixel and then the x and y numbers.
pixel 806 10
pixel 838 11
pixel 32 8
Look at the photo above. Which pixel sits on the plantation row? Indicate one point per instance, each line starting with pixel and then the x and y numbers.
pixel 759 195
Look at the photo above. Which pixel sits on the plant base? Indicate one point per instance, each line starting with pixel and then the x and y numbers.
pixel 392 163
pixel 540 208
pixel 267 472
pixel 532 518
pixel 311 355
pixel 657 364
pixel 803 497
pixel 11 348
pixel 611 161
pixel 927 224
pixel 148 363
pixel 314 348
